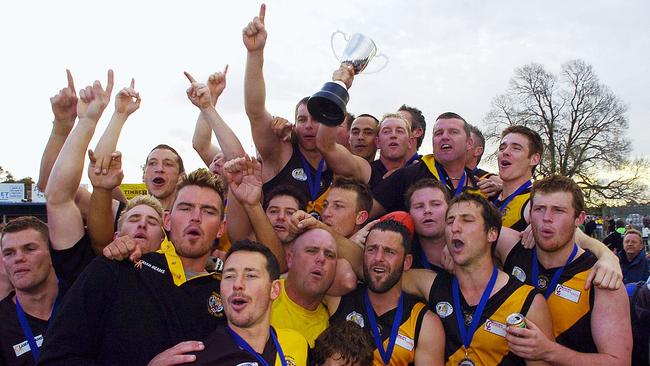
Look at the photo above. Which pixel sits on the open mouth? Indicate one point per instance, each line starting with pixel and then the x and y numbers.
pixel 238 302
pixel 317 273
pixel 457 244
pixel 279 228
pixel 158 181
pixel 505 163
pixel 193 233
pixel 378 269
pixel 445 147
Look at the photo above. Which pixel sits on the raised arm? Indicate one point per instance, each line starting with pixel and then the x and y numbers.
pixel 245 182
pixel 201 140
pixel 127 101
pixel 100 214
pixel 64 218
pixel 338 158
pixel 273 151
pixel 64 107
pixel 200 95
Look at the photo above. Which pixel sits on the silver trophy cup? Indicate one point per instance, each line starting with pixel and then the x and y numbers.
pixel 358 52
pixel 327 105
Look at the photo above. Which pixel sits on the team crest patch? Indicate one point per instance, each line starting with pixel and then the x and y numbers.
pixel 299 174
pixel 444 309
pixel 215 307
pixel 355 317
pixel 542 282
pixel 519 274
pixel 247 364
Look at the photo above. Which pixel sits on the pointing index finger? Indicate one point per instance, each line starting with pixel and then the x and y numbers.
pixel 262 12
pixel 132 83
pixel 109 85
pixel 70 81
pixel 225 71
pixel 189 77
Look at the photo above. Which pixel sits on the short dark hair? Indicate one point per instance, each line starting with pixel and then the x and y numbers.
pixel 181 167
pixel 479 134
pixel 535 143
pixel 300 102
pixel 396 227
pixel 369 116
pixel 418 121
pixel 452 115
pixel 349 117
pixel 425 183
pixel 346 339
pixel 559 183
pixel 491 215
pixel 204 178
pixel 480 139
pixel 364 196
pixel 272 266
pixel 23 223
pixel 284 190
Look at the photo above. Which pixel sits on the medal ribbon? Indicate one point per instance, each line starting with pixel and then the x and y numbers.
pixel 443 177
pixel 466 335
pixel 241 343
pixel 514 194
pixel 27 330
pixel 388 352
pixel 312 182
pixel 556 276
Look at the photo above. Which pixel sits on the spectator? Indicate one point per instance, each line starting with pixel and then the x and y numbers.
pixel 343 343
pixel 634 264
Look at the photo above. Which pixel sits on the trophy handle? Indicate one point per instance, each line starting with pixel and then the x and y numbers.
pixel 345 37
pixel 379 55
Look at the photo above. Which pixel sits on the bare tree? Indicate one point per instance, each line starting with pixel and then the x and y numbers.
pixel 583 125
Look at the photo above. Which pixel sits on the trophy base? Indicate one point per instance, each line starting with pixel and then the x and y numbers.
pixel 327 106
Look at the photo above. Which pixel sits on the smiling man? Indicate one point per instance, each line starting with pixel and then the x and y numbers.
pixel 131 313
pixel 26 311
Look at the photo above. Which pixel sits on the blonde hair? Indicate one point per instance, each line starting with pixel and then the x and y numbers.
pixel 144 199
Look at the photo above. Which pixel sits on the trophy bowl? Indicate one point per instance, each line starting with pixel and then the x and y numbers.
pixel 328 105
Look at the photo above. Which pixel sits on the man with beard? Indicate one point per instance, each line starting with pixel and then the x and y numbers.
pixel 474 302
pixel 297 164
pixel 590 325
pixel 250 284
pixel 129 313
pixel 404 331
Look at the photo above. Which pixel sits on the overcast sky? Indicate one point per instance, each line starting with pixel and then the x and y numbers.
pixel 444 56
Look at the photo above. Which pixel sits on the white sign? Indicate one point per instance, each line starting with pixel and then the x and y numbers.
pixel 37 196
pixel 12 192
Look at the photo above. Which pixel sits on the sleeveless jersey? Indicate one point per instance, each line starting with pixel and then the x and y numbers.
pixel 390 191
pixel 570 304
pixel 489 345
pixel 353 308
pixel 513 215
pixel 293 174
